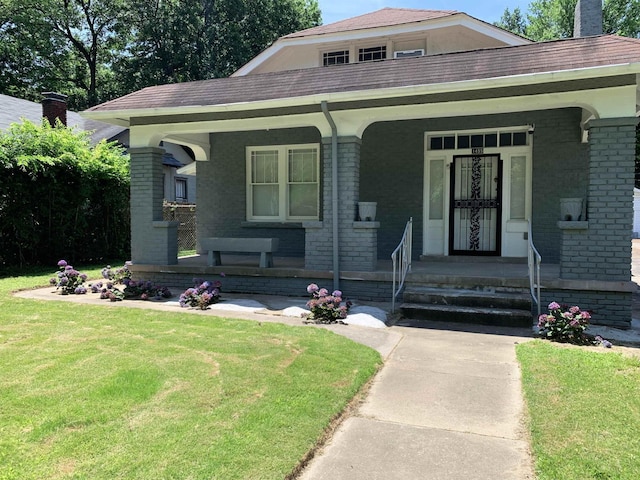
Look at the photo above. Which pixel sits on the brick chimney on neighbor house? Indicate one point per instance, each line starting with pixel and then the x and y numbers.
pixel 54 105
pixel 588 18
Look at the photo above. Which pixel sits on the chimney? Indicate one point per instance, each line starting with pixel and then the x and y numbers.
pixel 54 105
pixel 588 18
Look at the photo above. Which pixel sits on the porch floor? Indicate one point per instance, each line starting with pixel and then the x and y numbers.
pixel 477 267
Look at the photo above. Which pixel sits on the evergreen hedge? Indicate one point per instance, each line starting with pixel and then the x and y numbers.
pixel 60 197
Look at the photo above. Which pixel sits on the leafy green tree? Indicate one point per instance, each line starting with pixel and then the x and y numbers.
pixel 64 45
pixel 513 21
pixel 178 41
pixel 553 19
pixel 60 197
pixel 95 50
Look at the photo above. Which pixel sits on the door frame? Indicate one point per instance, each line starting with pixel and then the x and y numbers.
pixel 436 191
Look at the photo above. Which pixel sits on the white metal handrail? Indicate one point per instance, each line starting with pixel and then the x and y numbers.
pixel 533 262
pixel 401 258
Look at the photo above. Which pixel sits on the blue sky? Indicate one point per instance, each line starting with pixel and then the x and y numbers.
pixel 487 10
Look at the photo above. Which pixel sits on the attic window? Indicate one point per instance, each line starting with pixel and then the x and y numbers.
pixel 372 53
pixel 335 58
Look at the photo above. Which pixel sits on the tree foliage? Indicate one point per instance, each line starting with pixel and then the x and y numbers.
pixel 95 50
pixel 183 41
pixel 553 19
pixel 513 21
pixel 60 197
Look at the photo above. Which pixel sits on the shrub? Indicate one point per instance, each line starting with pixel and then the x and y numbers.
pixel 564 324
pixel 326 308
pixel 61 192
pixel 69 280
pixel 142 289
pixel 118 275
pixel 203 294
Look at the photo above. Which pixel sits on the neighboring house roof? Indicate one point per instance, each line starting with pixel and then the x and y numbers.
pixel 171 161
pixel 575 54
pixel 13 110
pixel 385 17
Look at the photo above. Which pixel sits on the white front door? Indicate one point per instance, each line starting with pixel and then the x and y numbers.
pixel 477 192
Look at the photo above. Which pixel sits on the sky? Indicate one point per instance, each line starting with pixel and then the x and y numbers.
pixel 488 10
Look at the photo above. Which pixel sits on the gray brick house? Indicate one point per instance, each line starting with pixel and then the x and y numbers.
pixel 475 133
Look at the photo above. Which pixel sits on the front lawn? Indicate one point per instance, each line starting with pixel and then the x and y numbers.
pixel 92 392
pixel 584 409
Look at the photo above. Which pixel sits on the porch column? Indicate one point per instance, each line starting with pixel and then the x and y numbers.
pixel 357 243
pixel 598 250
pixel 153 241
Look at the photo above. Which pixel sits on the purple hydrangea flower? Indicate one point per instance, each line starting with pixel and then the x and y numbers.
pixel 62 263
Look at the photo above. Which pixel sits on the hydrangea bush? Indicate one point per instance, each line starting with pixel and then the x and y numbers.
pixel 203 294
pixel 118 275
pixel 69 280
pixel 142 289
pixel 564 324
pixel 326 308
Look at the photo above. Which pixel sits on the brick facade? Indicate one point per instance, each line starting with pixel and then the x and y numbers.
pixel 603 249
pixel 357 240
pixel 392 171
pixel 221 187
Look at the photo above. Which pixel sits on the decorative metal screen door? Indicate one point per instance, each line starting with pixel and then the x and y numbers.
pixel 475 206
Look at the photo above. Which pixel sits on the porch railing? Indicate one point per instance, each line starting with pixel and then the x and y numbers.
pixel 401 258
pixel 534 260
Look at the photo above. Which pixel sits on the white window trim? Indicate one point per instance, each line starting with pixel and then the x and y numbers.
pixel 282 183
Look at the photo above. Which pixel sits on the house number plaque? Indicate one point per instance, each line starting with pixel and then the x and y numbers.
pixel 477 151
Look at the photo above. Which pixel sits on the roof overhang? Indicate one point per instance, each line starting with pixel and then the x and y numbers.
pixel 628 72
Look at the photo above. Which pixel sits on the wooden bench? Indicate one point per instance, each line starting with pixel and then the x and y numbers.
pixel 264 246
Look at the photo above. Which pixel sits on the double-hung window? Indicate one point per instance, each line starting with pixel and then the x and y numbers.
pixel 181 190
pixel 282 183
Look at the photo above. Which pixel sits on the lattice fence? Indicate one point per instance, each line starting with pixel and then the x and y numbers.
pixel 186 215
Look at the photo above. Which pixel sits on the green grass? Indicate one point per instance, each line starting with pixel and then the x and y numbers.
pixel 584 409
pixel 92 392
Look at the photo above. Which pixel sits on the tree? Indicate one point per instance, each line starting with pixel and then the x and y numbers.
pixel 553 19
pixel 64 45
pixel 513 21
pixel 181 41
pixel 95 50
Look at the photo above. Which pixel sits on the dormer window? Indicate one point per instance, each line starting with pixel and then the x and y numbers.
pixel 335 58
pixel 372 53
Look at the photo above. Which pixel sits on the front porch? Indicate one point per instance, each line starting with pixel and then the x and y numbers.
pixel 486 274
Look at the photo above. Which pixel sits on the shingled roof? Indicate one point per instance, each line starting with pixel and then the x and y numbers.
pixel 14 110
pixel 501 62
pixel 385 17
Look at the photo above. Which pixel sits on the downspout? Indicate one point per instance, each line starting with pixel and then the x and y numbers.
pixel 334 194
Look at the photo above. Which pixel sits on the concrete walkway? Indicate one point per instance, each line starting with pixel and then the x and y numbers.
pixel 446 405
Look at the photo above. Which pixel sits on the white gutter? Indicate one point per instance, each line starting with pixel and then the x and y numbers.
pixel 119 116
pixel 334 195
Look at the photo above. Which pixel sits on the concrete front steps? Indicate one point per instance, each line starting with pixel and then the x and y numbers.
pixel 474 305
